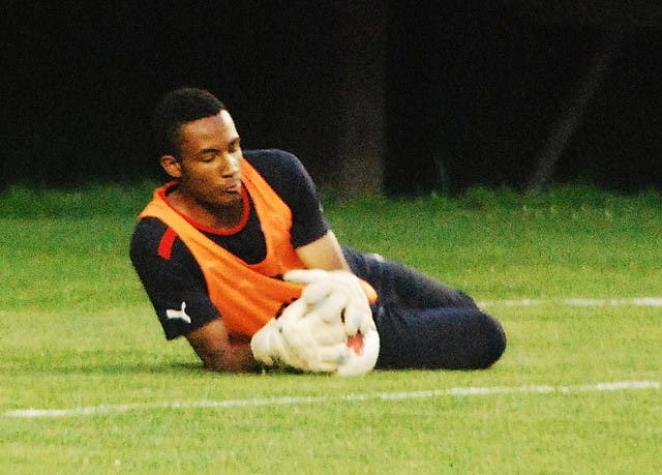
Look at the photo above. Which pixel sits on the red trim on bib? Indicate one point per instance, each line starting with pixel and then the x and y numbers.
pixel 245 212
pixel 167 241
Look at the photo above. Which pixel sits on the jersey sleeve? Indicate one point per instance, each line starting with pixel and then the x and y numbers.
pixel 292 182
pixel 172 279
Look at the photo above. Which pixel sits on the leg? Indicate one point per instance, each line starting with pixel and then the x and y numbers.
pixel 399 285
pixel 438 338
pixel 425 324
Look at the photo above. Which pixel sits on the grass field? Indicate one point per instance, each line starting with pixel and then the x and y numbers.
pixel 78 332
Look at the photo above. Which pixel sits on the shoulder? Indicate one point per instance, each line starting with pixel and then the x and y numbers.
pixel 269 156
pixel 289 179
pixel 154 239
pixel 274 164
pixel 171 277
pixel 147 236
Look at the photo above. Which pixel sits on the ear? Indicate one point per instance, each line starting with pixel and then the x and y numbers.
pixel 171 165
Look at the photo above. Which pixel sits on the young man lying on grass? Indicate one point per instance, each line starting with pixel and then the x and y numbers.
pixel 236 256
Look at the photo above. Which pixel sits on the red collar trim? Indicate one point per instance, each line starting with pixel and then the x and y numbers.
pixel 245 212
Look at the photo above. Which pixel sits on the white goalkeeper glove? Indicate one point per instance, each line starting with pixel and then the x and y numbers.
pixel 321 285
pixel 304 338
pixel 325 290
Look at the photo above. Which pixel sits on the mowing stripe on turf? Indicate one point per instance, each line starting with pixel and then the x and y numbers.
pixel 108 409
pixel 578 302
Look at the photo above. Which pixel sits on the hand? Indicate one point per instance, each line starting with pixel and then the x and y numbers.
pixel 302 339
pixel 358 352
pixel 322 285
pixel 326 291
pixel 328 329
pixel 364 351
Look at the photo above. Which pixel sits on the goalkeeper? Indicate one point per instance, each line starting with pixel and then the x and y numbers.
pixel 236 256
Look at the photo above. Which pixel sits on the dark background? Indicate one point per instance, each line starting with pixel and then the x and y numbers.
pixel 472 89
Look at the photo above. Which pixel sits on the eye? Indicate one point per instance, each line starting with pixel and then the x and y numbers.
pixel 233 146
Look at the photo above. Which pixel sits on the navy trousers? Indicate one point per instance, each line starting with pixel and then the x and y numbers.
pixel 423 323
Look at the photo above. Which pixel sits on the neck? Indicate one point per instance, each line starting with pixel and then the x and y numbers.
pixel 207 214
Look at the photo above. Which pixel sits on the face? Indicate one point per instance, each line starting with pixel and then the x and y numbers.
pixel 208 167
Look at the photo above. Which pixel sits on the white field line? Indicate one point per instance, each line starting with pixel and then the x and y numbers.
pixel 109 409
pixel 578 302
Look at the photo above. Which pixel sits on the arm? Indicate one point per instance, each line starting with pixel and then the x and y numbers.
pixel 213 347
pixel 323 253
pixel 211 342
pixel 177 289
pixel 315 243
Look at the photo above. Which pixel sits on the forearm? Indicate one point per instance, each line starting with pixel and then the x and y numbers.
pixel 233 359
pixel 325 253
pixel 212 345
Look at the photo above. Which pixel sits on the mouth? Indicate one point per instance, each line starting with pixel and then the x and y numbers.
pixel 234 188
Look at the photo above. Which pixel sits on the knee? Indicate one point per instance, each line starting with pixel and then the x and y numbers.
pixel 491 341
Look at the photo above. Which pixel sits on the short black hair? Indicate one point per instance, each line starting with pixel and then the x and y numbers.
pixel 178 107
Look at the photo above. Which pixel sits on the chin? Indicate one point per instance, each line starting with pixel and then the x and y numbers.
pixel 234 200
pixel 227 202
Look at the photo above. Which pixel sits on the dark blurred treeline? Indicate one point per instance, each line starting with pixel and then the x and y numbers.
pixel 472 92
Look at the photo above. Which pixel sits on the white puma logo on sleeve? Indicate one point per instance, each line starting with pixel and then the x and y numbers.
pixel 178 314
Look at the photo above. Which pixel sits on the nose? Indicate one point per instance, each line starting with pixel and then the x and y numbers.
pixel 232 169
